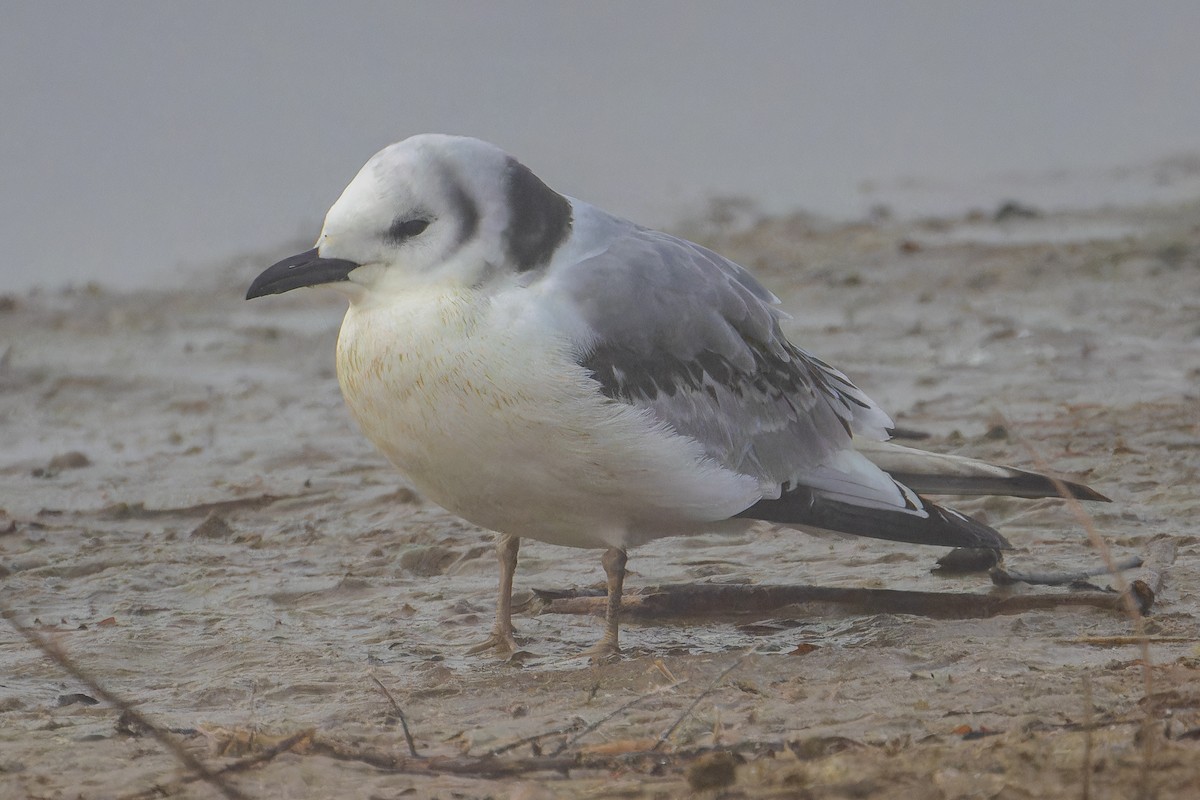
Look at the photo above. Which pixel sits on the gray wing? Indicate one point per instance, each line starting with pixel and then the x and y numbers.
pixel 694 338
pixel 675 329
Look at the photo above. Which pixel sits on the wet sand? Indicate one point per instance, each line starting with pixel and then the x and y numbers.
pixel 189 514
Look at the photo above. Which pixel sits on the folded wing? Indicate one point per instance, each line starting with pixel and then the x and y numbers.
pixel 692 337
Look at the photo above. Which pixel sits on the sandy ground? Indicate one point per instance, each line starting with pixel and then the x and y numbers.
pixel 189 514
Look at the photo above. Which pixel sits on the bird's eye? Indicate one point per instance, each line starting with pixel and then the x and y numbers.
pixel 406 229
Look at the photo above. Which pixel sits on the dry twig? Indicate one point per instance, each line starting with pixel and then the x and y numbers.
pixel 1120 641
pixel 691 707
pixel 479 767
pixel 625 707
pixel 725 600
pixel 562 730
pixel 190 762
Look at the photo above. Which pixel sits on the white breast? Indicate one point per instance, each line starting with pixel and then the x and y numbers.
pixel 485 410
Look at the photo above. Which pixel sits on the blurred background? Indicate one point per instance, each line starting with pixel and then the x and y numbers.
pixel 142 142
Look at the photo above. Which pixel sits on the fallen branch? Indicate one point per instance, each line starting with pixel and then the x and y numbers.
pixel 1118 641
pixel 682 601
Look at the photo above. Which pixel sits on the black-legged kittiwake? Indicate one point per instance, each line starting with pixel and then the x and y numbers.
pixel 542 368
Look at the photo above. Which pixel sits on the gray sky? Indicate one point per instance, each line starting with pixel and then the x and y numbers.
pixel 142 141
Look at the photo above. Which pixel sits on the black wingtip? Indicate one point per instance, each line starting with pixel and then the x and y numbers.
pixel 1036 485
pixel 1081 492
pixel 939 526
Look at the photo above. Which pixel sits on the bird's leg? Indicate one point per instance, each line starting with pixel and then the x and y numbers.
pixel 502 639
pixel 614 570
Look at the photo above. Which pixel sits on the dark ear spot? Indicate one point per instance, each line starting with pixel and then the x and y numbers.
pixel 541 218
pixel 466 211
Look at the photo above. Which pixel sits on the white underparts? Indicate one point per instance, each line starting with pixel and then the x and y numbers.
pixel 486 411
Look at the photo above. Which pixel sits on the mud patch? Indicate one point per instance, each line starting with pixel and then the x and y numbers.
pixel 232 558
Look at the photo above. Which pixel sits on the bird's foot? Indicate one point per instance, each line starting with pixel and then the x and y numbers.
pixel 501 641
pixel 603 651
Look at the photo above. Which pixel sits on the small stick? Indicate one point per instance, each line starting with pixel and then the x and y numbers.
pixel 571 742
pixel 412 747
pixel 1160 554
pixel 55 654
pixel 482 767
pixel 282 746
pixel 565 729
pixel 687 711
pixel 1005 577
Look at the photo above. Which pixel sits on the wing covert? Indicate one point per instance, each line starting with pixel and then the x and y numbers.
pixel 691 336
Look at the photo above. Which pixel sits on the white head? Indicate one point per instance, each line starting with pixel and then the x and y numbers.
pixel 429 208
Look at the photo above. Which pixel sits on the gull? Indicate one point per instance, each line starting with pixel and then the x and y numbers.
pixel 545 369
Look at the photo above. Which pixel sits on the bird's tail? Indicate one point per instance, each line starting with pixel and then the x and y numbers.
pixel 918 521
pixel 937 473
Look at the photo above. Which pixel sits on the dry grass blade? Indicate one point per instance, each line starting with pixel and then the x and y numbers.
pixel 408 739
pixel 1085 791
pixel 1133 604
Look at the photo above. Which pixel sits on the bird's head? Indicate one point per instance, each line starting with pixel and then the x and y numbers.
pixel 431 208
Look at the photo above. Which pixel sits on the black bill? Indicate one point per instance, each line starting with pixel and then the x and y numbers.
pixel 304 269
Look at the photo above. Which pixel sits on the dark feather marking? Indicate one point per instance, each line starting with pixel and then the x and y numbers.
pixel 541 218
pixel 632 377
pixel 944 527
pixel 468 212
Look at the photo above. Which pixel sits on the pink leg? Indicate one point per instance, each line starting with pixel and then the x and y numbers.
pixel 502 639
pixel 614 571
